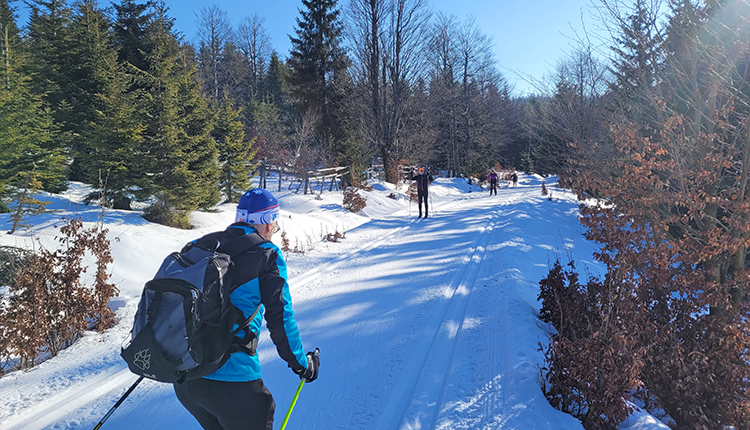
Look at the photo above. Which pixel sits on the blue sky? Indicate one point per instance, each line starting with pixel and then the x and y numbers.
pixel 529 36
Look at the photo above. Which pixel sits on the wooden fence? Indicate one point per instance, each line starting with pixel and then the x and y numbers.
pixel 305 180
pixel 376 171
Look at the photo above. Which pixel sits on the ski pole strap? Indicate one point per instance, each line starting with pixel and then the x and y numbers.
pixel 249 341
pixel 291 406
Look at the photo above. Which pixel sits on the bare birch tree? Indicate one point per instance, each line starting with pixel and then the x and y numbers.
pixel 476 66
pixel 387 37
pixel 214 31
pixel 255 45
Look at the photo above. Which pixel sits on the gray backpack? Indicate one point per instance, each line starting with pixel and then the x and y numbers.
pixel 183 327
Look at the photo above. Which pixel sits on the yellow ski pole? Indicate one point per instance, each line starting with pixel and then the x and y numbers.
pixel 291 406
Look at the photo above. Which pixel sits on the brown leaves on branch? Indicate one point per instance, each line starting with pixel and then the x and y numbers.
pixel 674 230
pixel 49 304
pixel 353 201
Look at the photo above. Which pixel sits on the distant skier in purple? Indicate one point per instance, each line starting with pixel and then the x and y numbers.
pixel 423 180
pixel 492 178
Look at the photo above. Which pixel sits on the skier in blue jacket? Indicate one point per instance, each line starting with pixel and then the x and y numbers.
pixel 234 397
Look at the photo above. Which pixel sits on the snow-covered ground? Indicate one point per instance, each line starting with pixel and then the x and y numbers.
pixel 421 324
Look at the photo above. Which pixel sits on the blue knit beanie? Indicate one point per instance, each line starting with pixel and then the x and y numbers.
pixel 257 206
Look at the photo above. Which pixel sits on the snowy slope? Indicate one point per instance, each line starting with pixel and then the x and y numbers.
pixel 422 324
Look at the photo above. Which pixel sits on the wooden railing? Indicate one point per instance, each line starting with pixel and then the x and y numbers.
pixel 307 180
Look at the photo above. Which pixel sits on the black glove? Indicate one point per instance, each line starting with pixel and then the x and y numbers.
pixel 313 362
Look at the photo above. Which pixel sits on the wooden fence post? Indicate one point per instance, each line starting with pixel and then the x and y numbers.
pixel 262 182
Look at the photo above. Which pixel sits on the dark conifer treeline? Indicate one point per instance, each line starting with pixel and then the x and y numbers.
pixel 115 98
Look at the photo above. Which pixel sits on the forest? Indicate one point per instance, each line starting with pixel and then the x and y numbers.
pixel 652 131
pixel 115 98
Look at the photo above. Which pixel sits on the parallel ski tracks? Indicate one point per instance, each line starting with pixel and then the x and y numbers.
pixel 422 410
pixel 78 395
pixel 325 268
pixel 48 411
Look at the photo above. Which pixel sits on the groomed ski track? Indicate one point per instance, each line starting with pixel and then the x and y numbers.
pixel 413 319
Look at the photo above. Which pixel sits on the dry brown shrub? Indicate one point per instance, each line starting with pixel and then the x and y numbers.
pixel 284 242
pixel 49 306
pixel 353 202
pixel 412 191
pixel 334 237
pixel 592 362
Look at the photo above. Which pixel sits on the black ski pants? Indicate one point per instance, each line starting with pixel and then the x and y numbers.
pixel 422 197
pixel 219 405
pixel 493 187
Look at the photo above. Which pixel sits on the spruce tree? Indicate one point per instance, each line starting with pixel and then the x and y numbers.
pixel 267 128
pixel 91 54
pixel 49 67
pixel 316 62
pixel 48 42
pixel 636 65
pixel 234 79
pixel 115 140
pixel 26 126
pixel 268 116
pixel 275 86
pixel 235 153
pixel 180 156
pixel 131 32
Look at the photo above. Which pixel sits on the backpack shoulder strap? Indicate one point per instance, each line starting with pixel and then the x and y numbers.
pixel 240 244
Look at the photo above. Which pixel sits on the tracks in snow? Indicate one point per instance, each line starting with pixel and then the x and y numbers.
pixel 78 395
pixel 49 411
pixel 426 400
pixel 113 381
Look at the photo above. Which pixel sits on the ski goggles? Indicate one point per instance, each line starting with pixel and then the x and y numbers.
pixel 267 216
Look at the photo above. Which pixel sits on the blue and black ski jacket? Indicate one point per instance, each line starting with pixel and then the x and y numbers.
pixel 260 277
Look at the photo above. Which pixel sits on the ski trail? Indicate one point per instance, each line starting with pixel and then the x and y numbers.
pixel 67 401
pixel 312 275
pixel 50 410
pixel 426 399
pixel 498 383
pixel 495 391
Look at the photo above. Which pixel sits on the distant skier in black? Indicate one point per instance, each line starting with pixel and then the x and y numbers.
pixel 514 178
pixel 423 180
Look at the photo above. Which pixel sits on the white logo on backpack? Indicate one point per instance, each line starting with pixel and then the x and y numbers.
pixel 142 359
